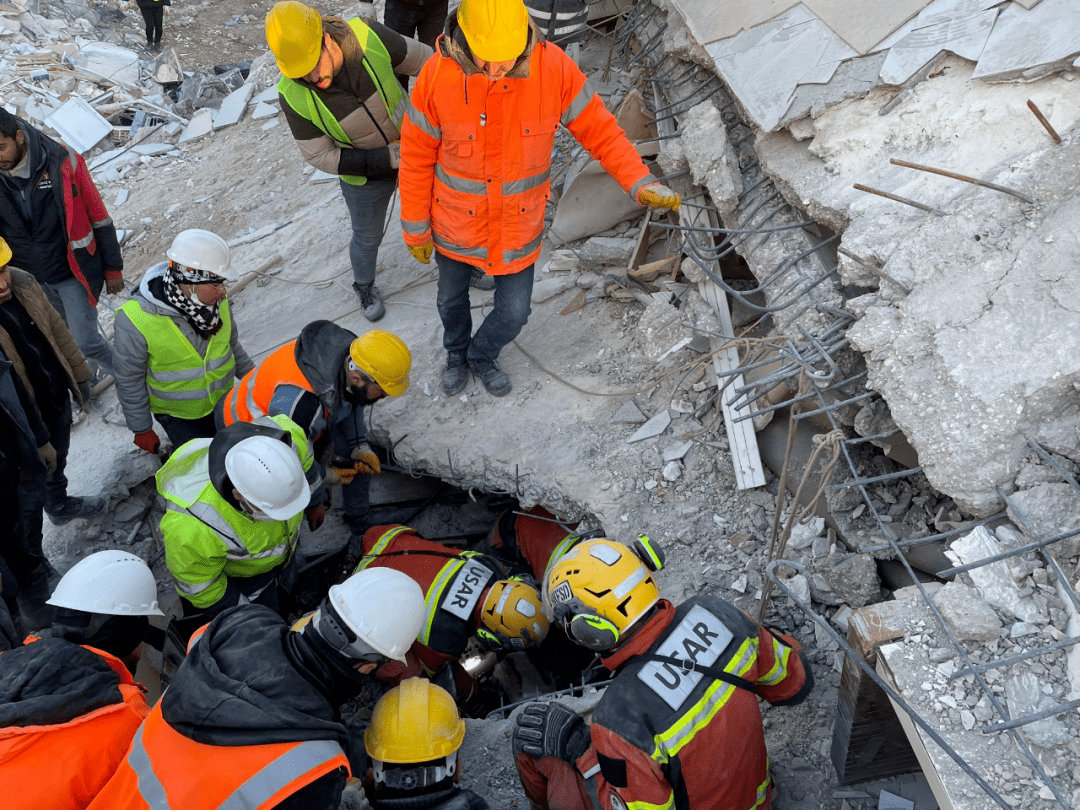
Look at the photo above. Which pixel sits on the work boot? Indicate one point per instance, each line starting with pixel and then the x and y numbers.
pixel 371 304
pixel 34 613
pixel 481 280
pixel 456 374
pixel 495 380
pixel 74 508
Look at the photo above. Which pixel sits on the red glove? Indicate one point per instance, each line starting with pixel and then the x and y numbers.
pixel 148 441
pixel 315 516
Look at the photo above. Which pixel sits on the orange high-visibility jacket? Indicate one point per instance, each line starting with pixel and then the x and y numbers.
pixel 476 153
pixel 250 399
pixel 64 766
pixel 166 769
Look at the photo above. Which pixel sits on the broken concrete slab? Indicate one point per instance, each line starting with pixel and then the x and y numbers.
pixel 233 106
pixel 152 149
pixel 607 251
pixel 592 203
pixel 712 160
pixel 653 428
pixel 109 61
pixel 845 579
pixel 547 288
pixel 629 413
pixel 995 581
pixel 677 452
pixel 263 110
pixel 963 32
pixel 967 615
pixel 200 125
pixel 79 125
pixel 1023 39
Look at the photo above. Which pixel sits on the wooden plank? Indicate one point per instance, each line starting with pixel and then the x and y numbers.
pixel 742 440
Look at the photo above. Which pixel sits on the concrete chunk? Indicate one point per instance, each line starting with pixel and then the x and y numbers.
pixel 233 106
pixel 629 413
pixel 201 124
pixel 966 614
pixel 263 110
pixel 654 427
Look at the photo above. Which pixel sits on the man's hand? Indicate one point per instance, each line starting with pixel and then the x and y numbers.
pixel 656 195
pixel 352 797
pixel 86 394
pixel 48 457
pixel 338 474
pixel 395 154
pixel 315 516
pixel 367 463
pixel 551 730
pixel 114 285
pixel 148 440
pixel 422 253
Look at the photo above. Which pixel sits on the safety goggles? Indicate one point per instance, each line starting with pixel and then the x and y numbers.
pixel 337 634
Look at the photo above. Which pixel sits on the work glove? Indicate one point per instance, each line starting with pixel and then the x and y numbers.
pixel 338 473
pixel 422 253
pixel 315 516
pixel 395 155
pixel 367 463
pixel 48 457
pixel 148 440
pixel 114 285
pixel 656 195
pixel 86 394
pixel 352 797
pixel 551 730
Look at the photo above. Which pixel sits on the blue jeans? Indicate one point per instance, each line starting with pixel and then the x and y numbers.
pixel 69 299
pixel 511 310
pixel 367 206
pixel 348 431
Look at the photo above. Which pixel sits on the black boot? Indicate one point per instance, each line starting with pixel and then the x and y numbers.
pixel 456 374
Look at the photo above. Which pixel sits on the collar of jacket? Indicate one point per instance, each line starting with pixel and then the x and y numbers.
pixel 642 638
pixel 452 45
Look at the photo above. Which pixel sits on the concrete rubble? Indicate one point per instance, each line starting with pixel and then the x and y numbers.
pixel 948 323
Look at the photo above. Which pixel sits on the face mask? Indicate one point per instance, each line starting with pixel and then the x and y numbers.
pixel 254 512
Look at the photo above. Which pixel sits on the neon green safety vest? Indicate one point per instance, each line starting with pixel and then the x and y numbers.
pixel 208 541
pixel 181 382
pixel 306 102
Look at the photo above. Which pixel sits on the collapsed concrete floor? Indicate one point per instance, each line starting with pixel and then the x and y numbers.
pixel 585 381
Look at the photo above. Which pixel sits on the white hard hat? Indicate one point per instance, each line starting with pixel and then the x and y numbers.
pixel 382 609
pixel 202 250
pixel 115 583
pixel 268 473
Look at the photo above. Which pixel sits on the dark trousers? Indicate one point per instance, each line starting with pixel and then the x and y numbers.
pixel 423 22
pixel 181 431
pixel 154 18
pixel 510 312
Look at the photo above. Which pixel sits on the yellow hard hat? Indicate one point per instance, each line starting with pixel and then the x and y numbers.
pixel 597 590
pixel 385 358
pixel 414 722
pixel 294 33
pixel 5 253
pixel 513 610
pixel 496 30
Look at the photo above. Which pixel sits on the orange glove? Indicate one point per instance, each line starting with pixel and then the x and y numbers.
pixel 367 463
pixel 422 253
pixel 340 475
pixel 656 195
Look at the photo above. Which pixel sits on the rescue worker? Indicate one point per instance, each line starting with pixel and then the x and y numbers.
pixel 341 97
pixel 252 719
pixel 53 218
pixel 323 380
pixel 48 362
pixel 234 505
pixel 25 456
pixel 68 704
pixel 529 542
pixel 414 742
pixel 475 161
pixel 465 598
pixel 563 22
pixel 679 725
pixel 177 347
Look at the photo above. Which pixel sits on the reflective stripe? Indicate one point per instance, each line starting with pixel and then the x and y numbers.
pixel 421 123
pixel 567 543
pixel 519 186
pixel 579 103
pixel 101 223
pixel 150 787
pixel 670 742
pixel 212 518
pixel 461 184
pixel 475 252
pixel 640 184
pixel 415 228
pixel 190 373
pixel 192 590
pixel 668 805
pixel 781 654
pixel 435 592
pixel 513 255
pixel 81 243
pixel 380 546
pixel 276 551
pixel 184 396
pixel 277 775
pixel 763 788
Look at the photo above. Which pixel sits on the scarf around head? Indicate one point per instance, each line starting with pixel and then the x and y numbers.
pixel 206 320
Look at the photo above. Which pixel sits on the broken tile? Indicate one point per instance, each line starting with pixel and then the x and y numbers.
pixel 654 427
pixel 79 125
pixel 233 106
pixel 677 451
pixel 200 125
pixel 151 149
pixel 629 413
pixel 263 110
